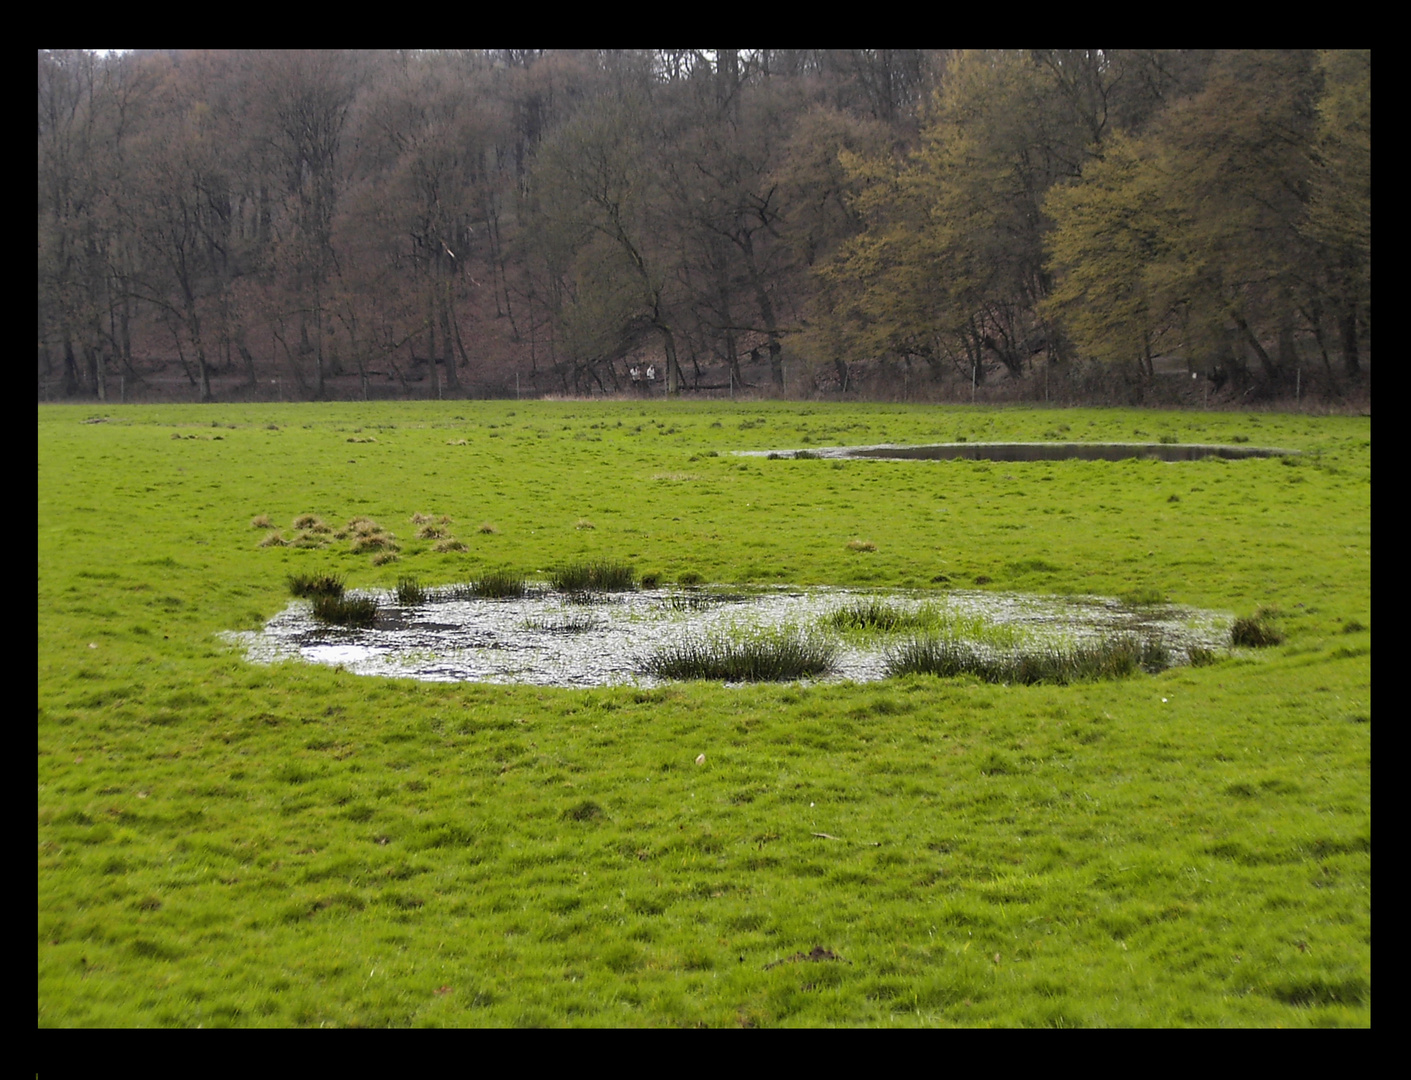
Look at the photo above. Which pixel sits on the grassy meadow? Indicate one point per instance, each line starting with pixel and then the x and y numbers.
pixel 225 844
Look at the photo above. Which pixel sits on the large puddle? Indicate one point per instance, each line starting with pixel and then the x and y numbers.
pixel 1047 451
pixel 549 639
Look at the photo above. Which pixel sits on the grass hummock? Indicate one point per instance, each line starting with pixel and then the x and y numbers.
pixel 1115 658
pixel 1257 631
pixel 410 591
pixel 315 585
pixel 745 656
pixel 360 612
pixel 600 576
pixel 496 585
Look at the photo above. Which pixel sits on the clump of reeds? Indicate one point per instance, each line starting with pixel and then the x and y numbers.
pixel 748 656
pixel 600 576
pixel 410 591
pixel 496 585
pixel 879 616
pixel 1115 658
pixel 1257 631
pixel 359 612
pixel 315 585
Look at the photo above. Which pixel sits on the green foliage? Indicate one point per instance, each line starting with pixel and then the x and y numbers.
pixel 947 657
pixel 315 585
pixel 601 575
pixel 745 655
pixel 340 610
pixel 410 591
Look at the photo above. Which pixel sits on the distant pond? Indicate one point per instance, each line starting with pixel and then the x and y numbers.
pixel 1045 451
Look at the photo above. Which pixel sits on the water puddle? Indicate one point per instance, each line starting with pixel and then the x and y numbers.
pixel 1047 451
pixel 549 639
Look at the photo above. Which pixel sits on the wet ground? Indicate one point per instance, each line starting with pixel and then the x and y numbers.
pixel 549 639
pixel 1046 451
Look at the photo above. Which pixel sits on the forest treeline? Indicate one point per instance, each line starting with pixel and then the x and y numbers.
pixel 1082 225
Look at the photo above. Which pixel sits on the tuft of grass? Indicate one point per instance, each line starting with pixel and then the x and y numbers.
pixel 651 579
pixel 360 612
pixel 600 576
pixel 1202 657
pixel 410 591
pixel 1257 631
pixel 422 519
pixel 308 521
pixel 1352 626
pixel 583 523
pixel 1115 658
pixel 861 545
pixel 880 616
pixel 315 585
pixel 261 521
pixel 449 543
pixel 772 655
pixel 430 532
pixel 273 539
pixel 1146 596
pixel 689 578
pixel 382 558
pixel 486 528
pixel 498 585
pixel 364 542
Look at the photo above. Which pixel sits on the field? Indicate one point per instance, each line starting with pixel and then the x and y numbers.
pixel 225 844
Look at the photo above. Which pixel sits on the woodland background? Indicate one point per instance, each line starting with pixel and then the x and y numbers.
pixel 1099 226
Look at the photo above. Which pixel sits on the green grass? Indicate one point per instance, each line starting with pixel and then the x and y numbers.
pixel 225 844
pixel 358 612
pixel 872 616
pixel 745 655
pixel 1060 665
pixel 599 575
pixel 315 585
pixel 410 591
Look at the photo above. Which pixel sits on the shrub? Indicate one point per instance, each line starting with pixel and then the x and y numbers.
pixel 601 576
pixel 315 585
pixel 360 612
pixel 745 656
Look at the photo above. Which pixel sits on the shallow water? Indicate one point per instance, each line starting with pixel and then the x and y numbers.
pixel 549 639
pixel 1046 451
